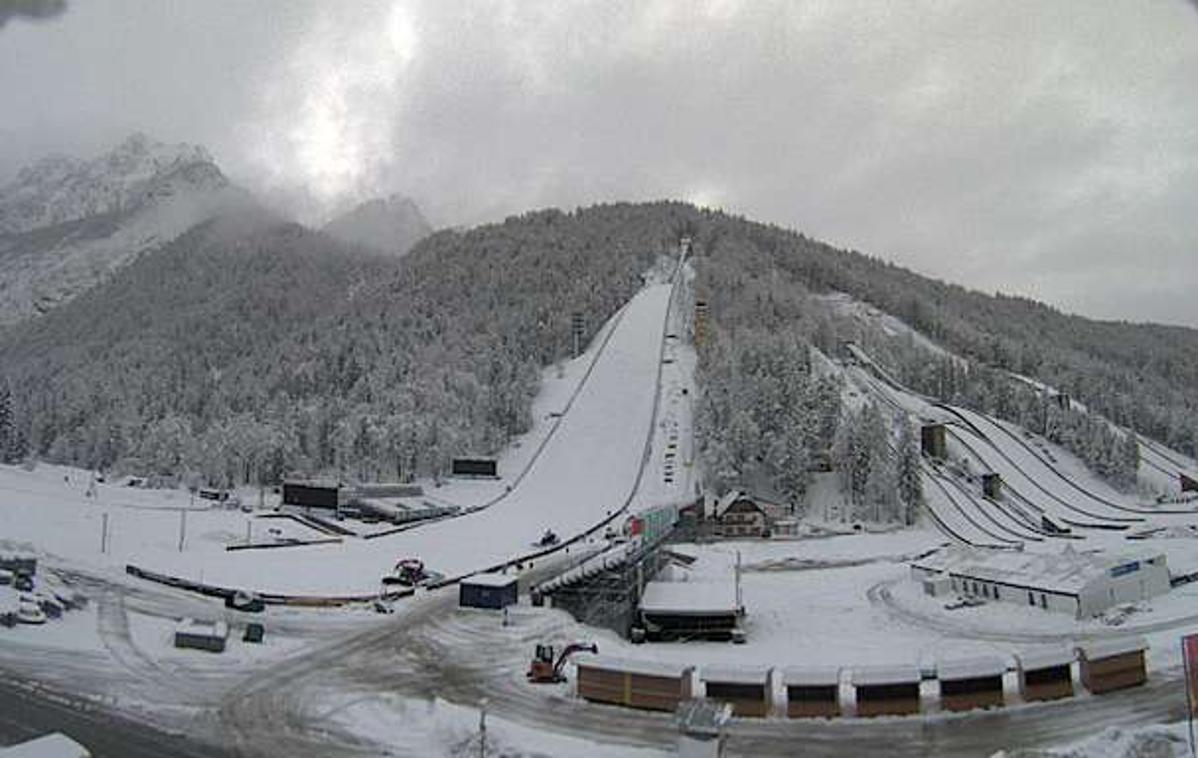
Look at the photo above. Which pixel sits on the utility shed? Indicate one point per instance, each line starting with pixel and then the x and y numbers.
pixel 886 690
pixel 202 635
pixel 812 692
pixel 1113 664
pixel 746 688
pixel 968 683
pixel 488 591
pixel 1045 674
pixel 650 685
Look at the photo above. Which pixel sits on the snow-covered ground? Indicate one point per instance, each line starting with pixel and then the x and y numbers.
pixel 1150 741
pixel 584 473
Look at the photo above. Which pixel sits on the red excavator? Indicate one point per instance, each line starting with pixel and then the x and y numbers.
pixel 544 670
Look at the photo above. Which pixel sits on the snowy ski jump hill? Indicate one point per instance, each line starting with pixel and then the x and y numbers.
pixel 1048 497
pixel 588 471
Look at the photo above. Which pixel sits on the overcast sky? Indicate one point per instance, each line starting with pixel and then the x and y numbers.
pixel 1047 149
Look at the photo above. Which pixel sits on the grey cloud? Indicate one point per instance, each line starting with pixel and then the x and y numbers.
pixel 1032 148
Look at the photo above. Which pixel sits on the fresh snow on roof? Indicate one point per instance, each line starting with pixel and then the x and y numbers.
pixel 871 676
pixel 1042 658
pixel 491 580
pixel 690 598
pixel 1067 571
pixel 735 674
pixel 970 668
pixel 633 665
pixel 1098 649
pixel 811 676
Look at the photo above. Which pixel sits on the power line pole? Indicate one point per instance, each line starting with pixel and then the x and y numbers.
pixel 182 527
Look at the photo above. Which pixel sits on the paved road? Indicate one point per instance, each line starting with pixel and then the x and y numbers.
pixel 27 712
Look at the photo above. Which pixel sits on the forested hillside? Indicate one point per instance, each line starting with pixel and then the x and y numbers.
pixel 248 349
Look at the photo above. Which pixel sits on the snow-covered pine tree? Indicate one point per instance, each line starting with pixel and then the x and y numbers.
pixel 910 480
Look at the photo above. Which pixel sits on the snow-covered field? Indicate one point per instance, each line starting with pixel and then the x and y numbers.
pixel 584 473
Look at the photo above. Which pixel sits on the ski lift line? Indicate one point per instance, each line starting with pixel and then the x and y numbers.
pixel 973 427
pixel 1078 487
pixel 973 451
pixel 645 455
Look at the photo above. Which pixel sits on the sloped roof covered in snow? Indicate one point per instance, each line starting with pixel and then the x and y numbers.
pixel 698 598
pixel 633 665
pixel 735 674
pixel 1043 658
pixel 1067 572
pixel 733 497
pixel 1099 649
pixel 811 676
pixel 981 666
pixel 877 676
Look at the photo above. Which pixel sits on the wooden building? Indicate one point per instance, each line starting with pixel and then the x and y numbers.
pixel 649 685
pixel 886 690
pixel 1113 664
pixel 1045 674
pixel 739 515
pixel 969 683
pixel 746 688
pixel 812 692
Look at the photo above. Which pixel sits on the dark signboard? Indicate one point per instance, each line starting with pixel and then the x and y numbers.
pixel 309 495
pixel 475 467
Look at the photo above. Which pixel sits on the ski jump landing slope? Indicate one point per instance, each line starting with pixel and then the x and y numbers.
pixel 586 472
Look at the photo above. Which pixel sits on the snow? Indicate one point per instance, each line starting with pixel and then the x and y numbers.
pixel 583 475
pixel 1148 741
pixel 811 676
pixel 441 728
pixel 1109 648
pixel 955 669
pixel 872 676
pixel 1069 571
pixel 689 598
pixel 55 745
pixel 490 580
pixel 1044 657
pixel 735 674
pixel 206 628
pixel 633 665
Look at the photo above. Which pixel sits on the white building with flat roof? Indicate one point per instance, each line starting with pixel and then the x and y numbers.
pixel 1077 583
